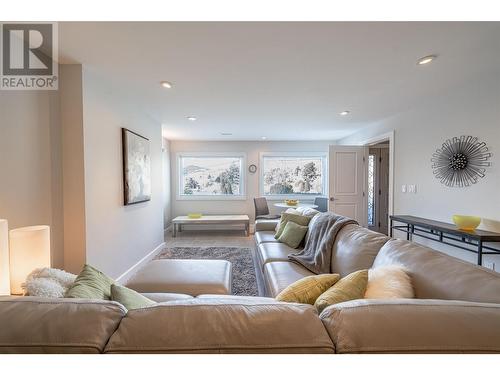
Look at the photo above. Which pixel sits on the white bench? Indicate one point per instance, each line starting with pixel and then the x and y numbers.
pixel 179 221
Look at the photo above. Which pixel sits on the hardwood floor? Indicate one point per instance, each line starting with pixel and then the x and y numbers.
pixel 232 238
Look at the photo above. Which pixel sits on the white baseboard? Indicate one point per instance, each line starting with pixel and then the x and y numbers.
pixel 124 277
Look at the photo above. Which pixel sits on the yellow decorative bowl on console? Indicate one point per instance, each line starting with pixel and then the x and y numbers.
pixel 194 216
pixel 466 222
pixel 291 202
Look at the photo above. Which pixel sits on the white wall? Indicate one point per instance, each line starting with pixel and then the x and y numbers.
pixel 30 163
pixel 118 236
pixel 471 108
pixel 252 150
pixel 73 172
pixel 61 165
pixel 167 193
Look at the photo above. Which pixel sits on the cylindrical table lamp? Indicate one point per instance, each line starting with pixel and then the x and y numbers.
pixel 29 249
pixel 4 258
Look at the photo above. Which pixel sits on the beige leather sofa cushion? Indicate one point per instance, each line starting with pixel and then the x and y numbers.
pixel 184 276
pixel 274 252
pixel 265 224
pixel 355 248
pixel 278 275
pixel 221 326
pixel 413 326
pixel 248 299
pixel 265 236
pixel 439 276
pixel 42 325
pixel 166 297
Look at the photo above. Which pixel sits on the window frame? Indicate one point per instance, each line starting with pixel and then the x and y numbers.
pixel 186 197
pixel 297 154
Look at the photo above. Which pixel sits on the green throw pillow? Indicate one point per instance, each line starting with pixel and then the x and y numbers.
pixel 285 218
pixel 352 286
pixel 308 289
pixel 91 284
pixel 293 234
pixel 129 298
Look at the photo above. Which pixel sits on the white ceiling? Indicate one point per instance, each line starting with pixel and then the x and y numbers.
pixel 284 81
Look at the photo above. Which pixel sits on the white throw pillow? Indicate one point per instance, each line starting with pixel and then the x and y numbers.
pixel 307 211
pixel 389 282
pixel 48 282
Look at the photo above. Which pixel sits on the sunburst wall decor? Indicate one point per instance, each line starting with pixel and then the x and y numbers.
pixel 461 161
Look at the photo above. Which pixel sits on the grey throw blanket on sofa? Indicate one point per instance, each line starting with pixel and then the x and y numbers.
pixel 317 253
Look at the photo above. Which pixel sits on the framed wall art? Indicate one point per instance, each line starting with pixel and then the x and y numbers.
pixel 136 168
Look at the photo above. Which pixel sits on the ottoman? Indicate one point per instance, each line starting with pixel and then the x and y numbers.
pixel 186 276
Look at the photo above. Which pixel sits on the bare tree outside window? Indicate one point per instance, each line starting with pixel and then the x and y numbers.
pixel 293 175
pixel 210 176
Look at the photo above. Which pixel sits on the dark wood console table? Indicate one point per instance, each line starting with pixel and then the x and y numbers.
pixel 447 234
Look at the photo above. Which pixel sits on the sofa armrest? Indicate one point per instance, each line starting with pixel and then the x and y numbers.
pixel 265 224
pixel 412 325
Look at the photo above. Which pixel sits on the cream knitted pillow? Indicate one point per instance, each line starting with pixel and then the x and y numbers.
pixel 389 282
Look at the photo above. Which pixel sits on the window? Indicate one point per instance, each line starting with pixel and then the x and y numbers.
pixel 211 176
pixel 293 174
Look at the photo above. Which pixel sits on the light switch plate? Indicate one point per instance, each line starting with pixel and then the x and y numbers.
pixel 403 188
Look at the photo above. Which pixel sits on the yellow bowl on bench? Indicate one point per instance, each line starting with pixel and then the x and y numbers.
pixel 469 223
pixel 194 216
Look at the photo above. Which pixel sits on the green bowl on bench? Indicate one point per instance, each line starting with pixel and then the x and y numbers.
pixel 194 216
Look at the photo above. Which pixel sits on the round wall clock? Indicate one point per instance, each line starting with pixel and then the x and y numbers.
pixel 461 161
pixel 252 168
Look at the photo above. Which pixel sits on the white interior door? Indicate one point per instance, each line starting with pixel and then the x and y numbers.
pixel 347 182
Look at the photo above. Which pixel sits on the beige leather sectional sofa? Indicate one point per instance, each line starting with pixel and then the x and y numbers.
pixel 457 309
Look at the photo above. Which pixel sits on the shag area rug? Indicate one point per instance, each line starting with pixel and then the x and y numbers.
pixel 244 279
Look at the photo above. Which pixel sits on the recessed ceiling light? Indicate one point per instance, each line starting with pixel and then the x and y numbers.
pixel 344 113
pixel 226 133
pixel 166 84
pixel 426 59
pixel 264 138
pixel 191 118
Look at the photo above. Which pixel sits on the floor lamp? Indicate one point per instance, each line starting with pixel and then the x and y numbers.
pixel 29 249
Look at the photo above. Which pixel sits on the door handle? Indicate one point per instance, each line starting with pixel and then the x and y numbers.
pixel 332 199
